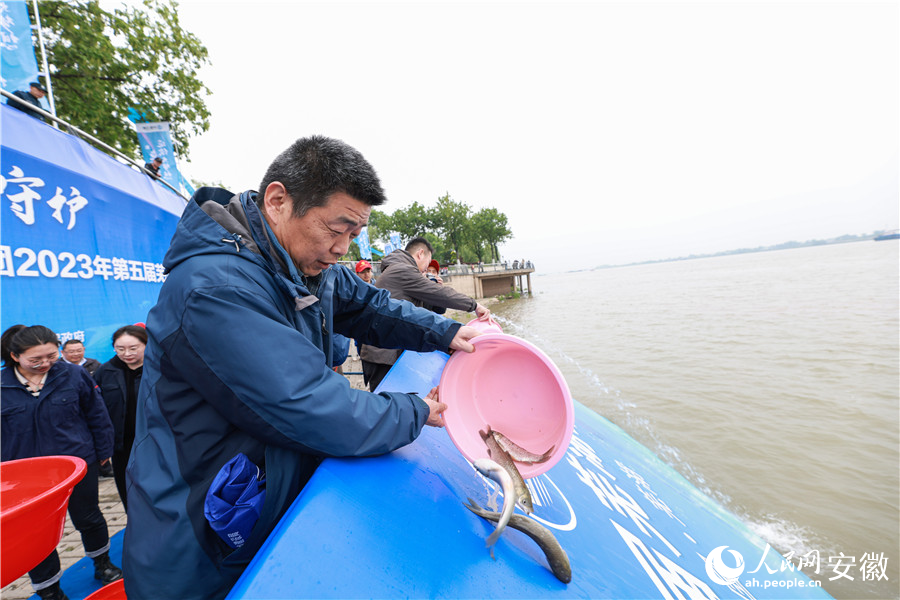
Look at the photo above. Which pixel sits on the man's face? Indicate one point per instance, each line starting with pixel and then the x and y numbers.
pixel 366 275
pixel 319 238
pixel 423 259
pixel 73 353
pixel 37 92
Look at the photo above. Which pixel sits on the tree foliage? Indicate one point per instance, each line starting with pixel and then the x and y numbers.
pixel 451 222
pixel 104 62
pixel 450 226
pixel 491 227
pixel 411 222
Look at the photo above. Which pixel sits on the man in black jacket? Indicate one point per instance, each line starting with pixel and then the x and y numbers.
pixel 402 274
pixel 153 166
pixel 73 352
pixel 32 97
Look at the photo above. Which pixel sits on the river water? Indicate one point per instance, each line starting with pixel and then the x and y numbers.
pixel 769 380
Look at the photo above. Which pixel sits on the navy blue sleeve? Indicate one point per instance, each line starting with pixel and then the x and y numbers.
pixel 277 387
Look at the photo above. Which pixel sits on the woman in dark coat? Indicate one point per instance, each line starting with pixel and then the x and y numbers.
pixel 119 379
pixel 51 407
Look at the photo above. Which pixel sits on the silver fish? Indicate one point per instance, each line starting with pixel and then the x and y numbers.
pixel 520 454
pixel 491 469
pixel 556 556
pixel 523 496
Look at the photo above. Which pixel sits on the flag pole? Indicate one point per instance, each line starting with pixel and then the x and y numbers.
pixel 46 68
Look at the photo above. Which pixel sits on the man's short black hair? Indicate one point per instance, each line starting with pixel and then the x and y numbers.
pixel 70 342
pixel 316 167
pixel 419 242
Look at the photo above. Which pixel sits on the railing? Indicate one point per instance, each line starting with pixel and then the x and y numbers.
pixel 464 269
pixel 86 136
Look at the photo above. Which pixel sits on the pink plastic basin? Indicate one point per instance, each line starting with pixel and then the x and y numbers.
pixel 113 591
pixel 515 388
pixel 34 495
pixel 488 325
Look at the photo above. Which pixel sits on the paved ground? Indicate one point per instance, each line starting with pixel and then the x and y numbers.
pixel 70 548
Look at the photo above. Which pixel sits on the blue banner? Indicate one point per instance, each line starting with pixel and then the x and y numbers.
pixel 83 236
pixel 156 141
pixel 395 241
pixel 18 66
pixel 388 248
pixel 365 249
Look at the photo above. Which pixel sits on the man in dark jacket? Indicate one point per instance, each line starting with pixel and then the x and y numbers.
pixel 239 362
pixel 153 167
pixel 403 275
pixel 30 98
pixel 73 352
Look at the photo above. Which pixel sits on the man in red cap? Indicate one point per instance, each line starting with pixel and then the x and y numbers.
pixel 364 270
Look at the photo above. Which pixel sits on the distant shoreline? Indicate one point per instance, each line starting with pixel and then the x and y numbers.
pixel 844 239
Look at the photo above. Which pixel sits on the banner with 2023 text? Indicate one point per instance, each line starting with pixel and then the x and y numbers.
pixel 82 236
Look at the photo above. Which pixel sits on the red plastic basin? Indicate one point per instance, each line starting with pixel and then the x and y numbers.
pixel 34 495
pixel 113 591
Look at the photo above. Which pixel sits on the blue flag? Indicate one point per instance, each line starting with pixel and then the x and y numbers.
pixel 365 249
pixel 156 141
pixel 18 66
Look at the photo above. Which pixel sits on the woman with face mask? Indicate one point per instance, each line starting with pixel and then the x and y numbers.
pixel 51 407
pixel 119 379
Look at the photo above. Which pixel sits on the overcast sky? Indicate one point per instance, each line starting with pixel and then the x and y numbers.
pixel 607 132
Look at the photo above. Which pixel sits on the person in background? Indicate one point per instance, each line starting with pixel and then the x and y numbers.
pixel 433 273
pixel 402 275
pixel 119 380
pixel 154 166
pixel 51 407
pixel 30 98
pixel 364 270
pixel 239 363
pixel 73 352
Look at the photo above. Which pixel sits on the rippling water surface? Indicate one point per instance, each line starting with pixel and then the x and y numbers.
pixel 769 380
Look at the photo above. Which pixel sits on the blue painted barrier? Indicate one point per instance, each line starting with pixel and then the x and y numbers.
pixel 394 526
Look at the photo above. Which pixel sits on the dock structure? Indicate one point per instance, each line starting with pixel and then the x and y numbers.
pixel 489 280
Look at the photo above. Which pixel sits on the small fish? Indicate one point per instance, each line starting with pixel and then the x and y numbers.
pixel 556 556
pixel 519 454
pixel 498 454
pixel 492 470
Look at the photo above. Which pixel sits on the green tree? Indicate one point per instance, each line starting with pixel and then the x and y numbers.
pixel 380 226
pixel 491 227
pixel 103 62
pixel 442 253
pixel 450 219
pixel 411 222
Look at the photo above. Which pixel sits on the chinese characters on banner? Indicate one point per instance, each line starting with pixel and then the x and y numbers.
pixel 83 236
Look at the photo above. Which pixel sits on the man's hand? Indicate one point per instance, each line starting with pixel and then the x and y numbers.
pixel 482 311
pixel 436 407
pixel 461 340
